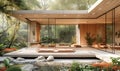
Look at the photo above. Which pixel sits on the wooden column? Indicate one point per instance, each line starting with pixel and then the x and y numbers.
pixel 37 32
pixel 78 34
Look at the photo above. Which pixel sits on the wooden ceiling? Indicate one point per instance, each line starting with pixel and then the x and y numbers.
pixel 91 16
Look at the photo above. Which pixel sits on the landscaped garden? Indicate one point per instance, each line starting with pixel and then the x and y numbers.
pixel 9 64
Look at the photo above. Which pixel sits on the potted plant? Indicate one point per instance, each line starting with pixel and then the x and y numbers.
pixel 8 67
pixel 6 50
pixel 89 39
pixel 99 40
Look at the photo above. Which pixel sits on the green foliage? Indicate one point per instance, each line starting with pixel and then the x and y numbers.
pixel 2 46
pixel 32 4
pixel 6 5
pixel 20 4
pixel 14 68
pixel 116 61
pixel 66 34
pixel 71 4
pixel 3 38
pixel 109 33
pixel 57 34
pixel 75 67
pixel 90 38
pixel 12 33
pixel 99 39
pixel 48 40
pixel 7 63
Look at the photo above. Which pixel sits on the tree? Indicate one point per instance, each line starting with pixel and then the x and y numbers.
pixel 71 4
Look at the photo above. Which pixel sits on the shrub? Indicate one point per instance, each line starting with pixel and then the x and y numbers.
pixel 14 68
pixel 75 67
pixel 7 63
pixel 89 38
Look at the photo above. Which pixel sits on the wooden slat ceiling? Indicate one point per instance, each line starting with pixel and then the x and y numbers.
pixel 72 17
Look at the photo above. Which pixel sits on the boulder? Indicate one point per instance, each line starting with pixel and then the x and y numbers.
pixel 50 58
pixel 40 58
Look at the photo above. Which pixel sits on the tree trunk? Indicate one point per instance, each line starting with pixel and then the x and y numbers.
pixel 14 34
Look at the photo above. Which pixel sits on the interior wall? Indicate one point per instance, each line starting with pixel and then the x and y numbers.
pixel 93 29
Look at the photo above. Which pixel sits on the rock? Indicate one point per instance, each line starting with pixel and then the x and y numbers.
pixel 50 58
pixel 20 59
pixel 40 58
pixel 27 67
pixel 10 58
pixel 43 60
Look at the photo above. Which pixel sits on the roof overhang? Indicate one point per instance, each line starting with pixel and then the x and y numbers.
pixel 91 16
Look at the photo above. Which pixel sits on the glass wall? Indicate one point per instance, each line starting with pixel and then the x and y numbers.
pixel 112 26
pixel 58 34
pixel 117 31
pixel 107 42
pixel 109 31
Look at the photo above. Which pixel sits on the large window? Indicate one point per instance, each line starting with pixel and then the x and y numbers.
pixel 58 34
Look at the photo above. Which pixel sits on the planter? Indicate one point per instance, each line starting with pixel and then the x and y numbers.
pixel 102 65
pixel 115 68
pixel 105 64
pixel 51 45
pixel 96 65
pixel 6 50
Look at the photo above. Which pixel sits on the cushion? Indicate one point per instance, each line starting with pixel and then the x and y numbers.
pixel 66 50
pixel 46 50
